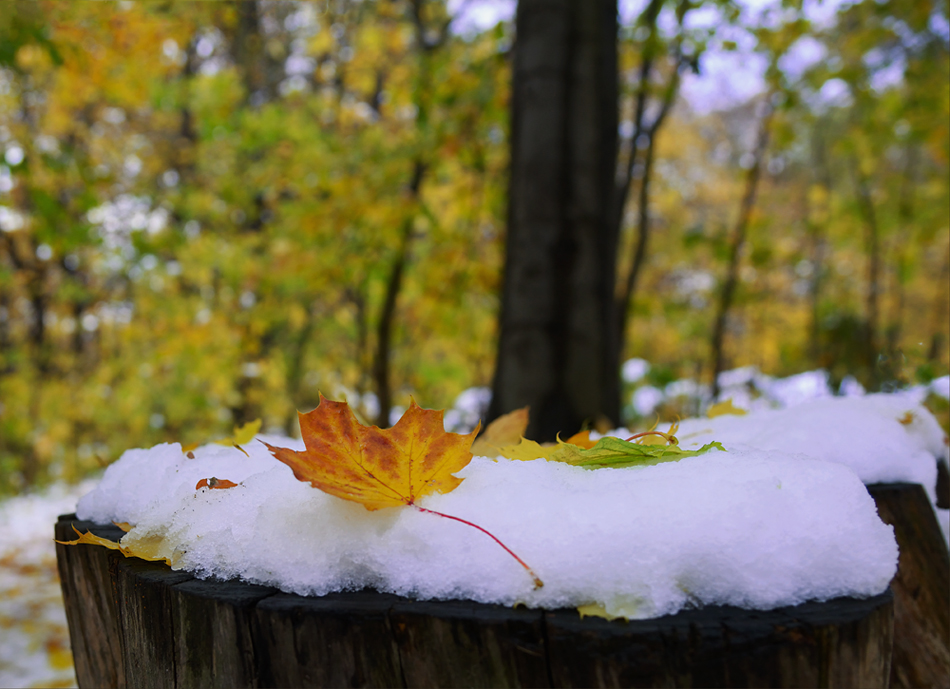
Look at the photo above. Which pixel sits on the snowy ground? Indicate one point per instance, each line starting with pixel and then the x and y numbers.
pixel 34 640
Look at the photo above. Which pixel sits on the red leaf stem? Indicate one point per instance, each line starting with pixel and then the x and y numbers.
pixel 537 582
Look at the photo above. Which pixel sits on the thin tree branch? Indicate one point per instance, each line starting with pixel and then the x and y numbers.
pixel 737 245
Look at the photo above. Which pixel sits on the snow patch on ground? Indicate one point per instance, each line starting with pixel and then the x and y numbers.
pixel 34 640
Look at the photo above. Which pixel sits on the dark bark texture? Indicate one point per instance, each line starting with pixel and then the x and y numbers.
pixel 921 587
pixel 555 326
pixel 140 624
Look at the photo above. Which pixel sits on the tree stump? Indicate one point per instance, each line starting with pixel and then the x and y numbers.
pixel 921 588
pixel 140 624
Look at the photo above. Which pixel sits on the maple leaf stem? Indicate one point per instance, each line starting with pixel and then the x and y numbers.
pixel 537 581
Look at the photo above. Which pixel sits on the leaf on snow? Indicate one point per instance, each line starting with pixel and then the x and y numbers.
pixel 215 483
pixel 505 430
pixel 527 450
pixel 148 548
pixel 377 467
pixel 242 434
pixel 725 408
pixel 617 453
pixel 582 439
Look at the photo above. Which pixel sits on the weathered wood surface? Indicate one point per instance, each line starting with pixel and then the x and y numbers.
pixel 921 588
pixel 140 624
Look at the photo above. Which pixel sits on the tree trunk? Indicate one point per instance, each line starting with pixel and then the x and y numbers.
pixel 921 587
pixel 140 624
pixel 555 322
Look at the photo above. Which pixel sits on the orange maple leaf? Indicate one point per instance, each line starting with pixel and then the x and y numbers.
pixel 377 467
pixel 382 467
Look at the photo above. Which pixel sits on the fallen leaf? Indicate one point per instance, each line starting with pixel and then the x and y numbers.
pixel 526 451
pixel 89 538
pixel 616 453
pixel 725 408
pixel 146 548
pixel 907 419
pixel 582 439
pixel 375 467
pixel 597 610
pixel 382 467
pixel 217 483
pixel 505 430
pixel 125 526
pixel 242 434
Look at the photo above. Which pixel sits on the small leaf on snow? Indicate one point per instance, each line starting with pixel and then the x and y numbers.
pixel 218 483
pixel 597 610
pixel 89 538
pixel 505 430
pixel 725 408
pixel 242 434
pixel 617 453
pixel 152 548
pixel 907 419
pixel 582 439
pixel 527 450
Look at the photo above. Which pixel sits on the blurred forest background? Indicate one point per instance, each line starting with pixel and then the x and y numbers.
pixel 210 211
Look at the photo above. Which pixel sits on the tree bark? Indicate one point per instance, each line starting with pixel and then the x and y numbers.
pixel 141 624
pixel 555 323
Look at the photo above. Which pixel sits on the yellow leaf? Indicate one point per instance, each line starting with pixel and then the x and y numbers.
pixel 242 434
pixel 89 538
pixel 505 430
pixel 374 467
pixel 582 439
pixel 527 450
pixel 907 419
pixel 724 408
pixel 131 545
pixel 597 610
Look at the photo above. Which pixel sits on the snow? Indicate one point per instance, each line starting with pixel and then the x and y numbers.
pixel 863 433
pixel 746 527
pixel 941 386
pixel 34 640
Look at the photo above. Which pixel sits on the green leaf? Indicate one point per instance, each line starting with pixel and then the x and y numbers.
pixel 617 453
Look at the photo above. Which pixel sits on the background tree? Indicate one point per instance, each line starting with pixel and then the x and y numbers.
pixel 555 322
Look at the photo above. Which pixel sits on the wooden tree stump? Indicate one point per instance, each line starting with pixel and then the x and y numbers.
pixel 140 624
pixel 921 588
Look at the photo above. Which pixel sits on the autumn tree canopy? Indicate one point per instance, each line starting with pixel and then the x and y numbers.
pixel 213 212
